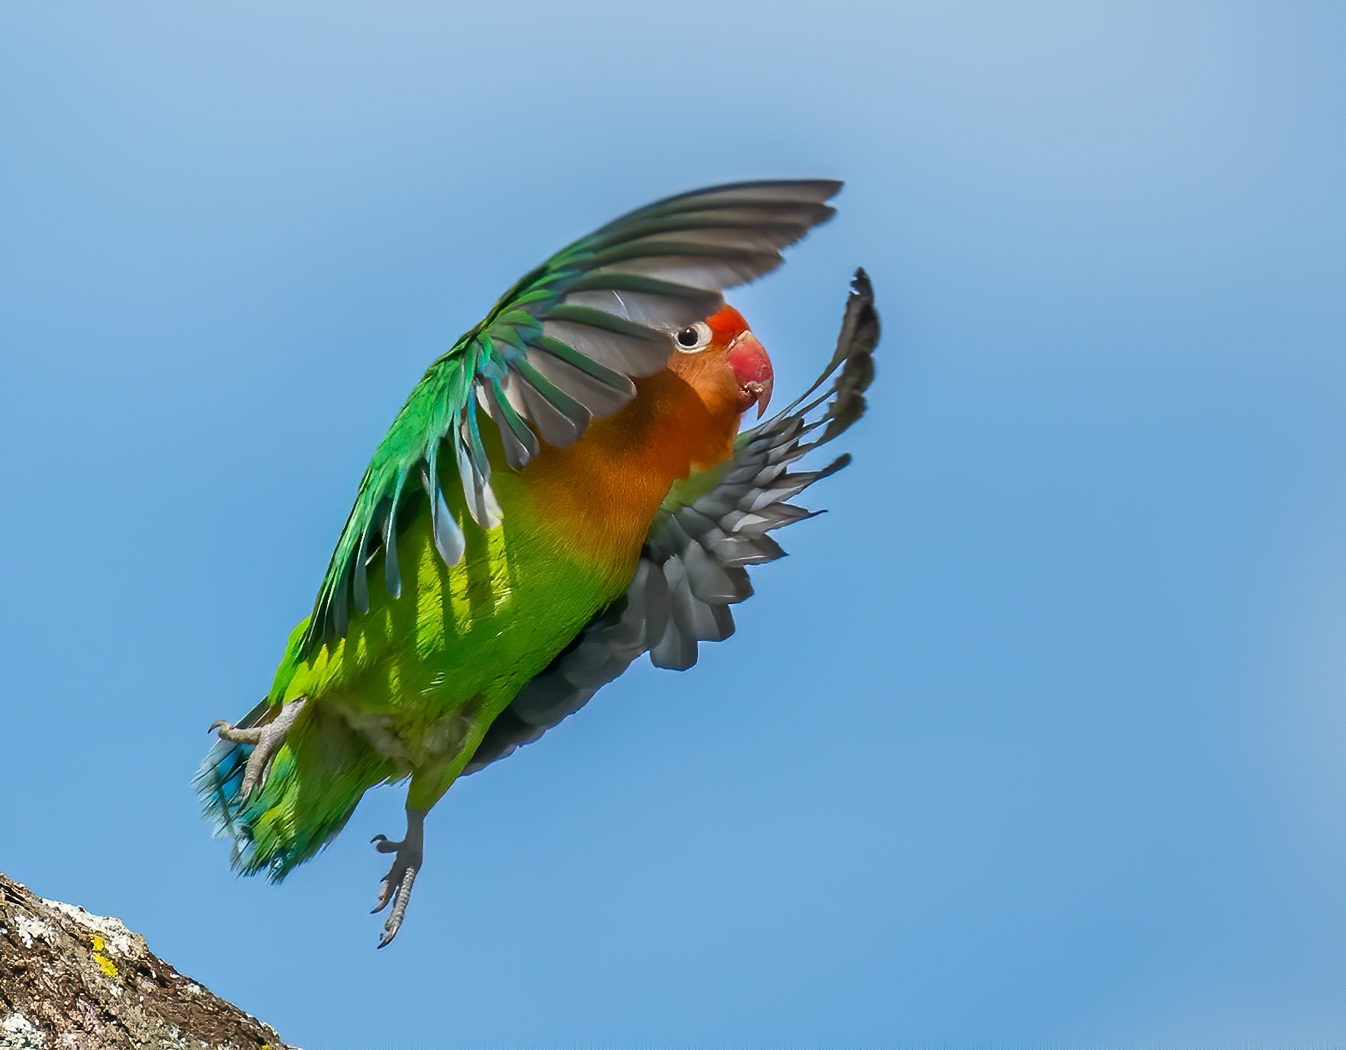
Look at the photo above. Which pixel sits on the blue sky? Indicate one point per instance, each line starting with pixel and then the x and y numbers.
pixel 1039 735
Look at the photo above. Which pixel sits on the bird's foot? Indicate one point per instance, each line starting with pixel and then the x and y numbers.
pixel 265 741
pixel 402 875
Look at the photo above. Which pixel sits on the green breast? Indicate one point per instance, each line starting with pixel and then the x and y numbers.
pixel 421 677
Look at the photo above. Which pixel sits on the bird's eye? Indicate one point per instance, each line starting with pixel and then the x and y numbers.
pixel 693 338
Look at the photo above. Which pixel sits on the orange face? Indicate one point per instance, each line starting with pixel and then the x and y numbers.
pixel 724 363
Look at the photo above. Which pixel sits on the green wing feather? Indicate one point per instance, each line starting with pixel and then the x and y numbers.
pixel 559 349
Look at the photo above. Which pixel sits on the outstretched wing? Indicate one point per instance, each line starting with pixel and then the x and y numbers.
pixel 709 529
pixel 557 350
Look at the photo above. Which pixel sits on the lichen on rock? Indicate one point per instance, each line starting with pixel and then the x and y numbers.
pixel 71 980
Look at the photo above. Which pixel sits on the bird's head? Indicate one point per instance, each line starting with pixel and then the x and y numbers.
pixel 724 363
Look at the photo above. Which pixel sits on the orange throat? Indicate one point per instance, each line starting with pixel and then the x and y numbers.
pixel 599 496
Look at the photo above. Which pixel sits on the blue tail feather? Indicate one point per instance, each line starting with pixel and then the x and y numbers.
pixel 219 782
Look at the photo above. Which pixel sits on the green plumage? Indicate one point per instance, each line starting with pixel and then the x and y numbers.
pixel 418 679
pixel 452 588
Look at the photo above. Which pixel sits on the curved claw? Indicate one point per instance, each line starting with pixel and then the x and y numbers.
pixel 394 922
pixel 402 869
pixel 401 877
pixel 265 740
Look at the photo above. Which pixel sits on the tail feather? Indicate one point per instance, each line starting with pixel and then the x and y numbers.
pixel 219 780
pixel 315 782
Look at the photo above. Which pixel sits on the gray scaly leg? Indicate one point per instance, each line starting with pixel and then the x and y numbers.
pixel 402 875
pixel 266 741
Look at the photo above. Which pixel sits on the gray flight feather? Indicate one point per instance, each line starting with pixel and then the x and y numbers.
pixel 653 311
pixel 675 651
pixel 449 540
pixel 600 395
pixel 622 351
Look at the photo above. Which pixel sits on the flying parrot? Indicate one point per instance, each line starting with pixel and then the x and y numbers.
pixel 565 490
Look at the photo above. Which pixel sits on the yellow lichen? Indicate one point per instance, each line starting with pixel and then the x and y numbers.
pixel 104 963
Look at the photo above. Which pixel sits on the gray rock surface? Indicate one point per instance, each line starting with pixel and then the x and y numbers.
pixel 69 979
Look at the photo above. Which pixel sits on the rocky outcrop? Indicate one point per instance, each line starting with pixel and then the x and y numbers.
pixel 69 979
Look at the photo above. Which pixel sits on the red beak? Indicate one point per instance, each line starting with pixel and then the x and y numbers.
pixel 752 368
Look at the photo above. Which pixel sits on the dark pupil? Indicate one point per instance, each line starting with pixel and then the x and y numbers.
pixel 688 337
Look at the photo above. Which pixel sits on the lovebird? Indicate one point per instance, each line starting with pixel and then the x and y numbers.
pixel 565 490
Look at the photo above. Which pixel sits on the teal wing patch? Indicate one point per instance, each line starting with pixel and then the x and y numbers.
pixel 706 534
pixel 560 348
